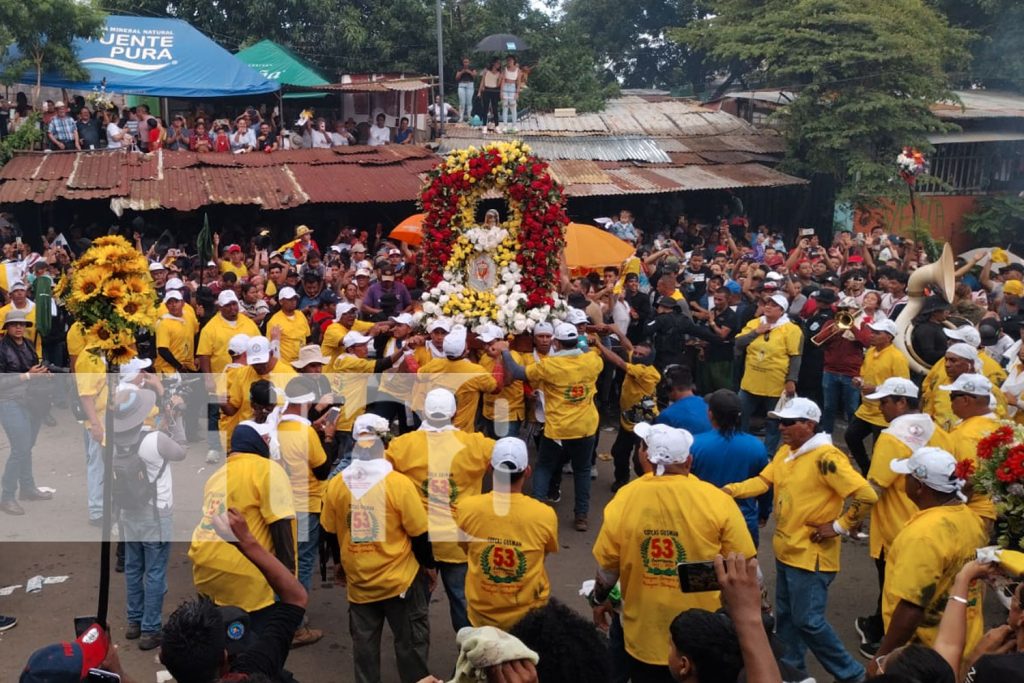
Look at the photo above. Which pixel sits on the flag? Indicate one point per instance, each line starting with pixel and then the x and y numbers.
pixel 204 245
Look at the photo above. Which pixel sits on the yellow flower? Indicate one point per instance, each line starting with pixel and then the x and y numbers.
pixel 114 289
pixel 88 283
pixel 138 285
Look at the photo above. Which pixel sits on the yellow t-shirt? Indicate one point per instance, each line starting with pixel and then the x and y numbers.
pixel 226 423
pixel 259 489
pixel 271 288
pixel 767 363
pixel 637 400
pixel 965 437
pixel 187 312
pixel 91 380
pixel 877 367
pixel 241 270
pixel 569 382
pixel 213 340
pixel 330 345
pixel 510 404
pixel 446 467
pixel 76 339
pixel 350 376
pixel 509 535
pixel 176 335
pixel 936 402
pixel 395 382
pixel 240 381
pixel 924 560
pixel 462 377
pixel 374 534
pixel 809 489
pixel 650 526
pixel 294 333
pixel 301 451
pixel 890 514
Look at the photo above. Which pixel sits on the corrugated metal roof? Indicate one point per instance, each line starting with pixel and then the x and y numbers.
pixel 578 172
pixel 346 184
pixel 584 148
pixel 382 85
pixel 981 104
pixel 651 180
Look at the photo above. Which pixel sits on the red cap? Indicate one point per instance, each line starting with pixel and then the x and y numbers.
pixel 855 259
pixel 234 247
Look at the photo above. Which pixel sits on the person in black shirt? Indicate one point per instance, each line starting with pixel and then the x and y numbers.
pixel 639 308
pixel 716 370
pixel 88 129
pixel 928 337
pixel 201 646
pixel 667 332
pixel 693 281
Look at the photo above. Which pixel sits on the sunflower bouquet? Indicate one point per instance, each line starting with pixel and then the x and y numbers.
pixel 110 292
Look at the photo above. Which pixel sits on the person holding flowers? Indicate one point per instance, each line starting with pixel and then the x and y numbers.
pixel 970 396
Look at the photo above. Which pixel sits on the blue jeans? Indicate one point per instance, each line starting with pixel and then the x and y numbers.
pixel 145 566
pixel 213 435
pixel 752 404
pixel 21 427
pixel 552 454
pixel 465 101
pixel 94 475
pixel 309 540
pixel 801 598
pixel 453 576
pixel 836 388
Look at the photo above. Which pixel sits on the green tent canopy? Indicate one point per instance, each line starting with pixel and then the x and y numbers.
pixel 279 64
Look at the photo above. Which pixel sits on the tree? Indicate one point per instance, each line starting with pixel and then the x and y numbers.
pixel 997 43
pixel 44 32
pixel 867 72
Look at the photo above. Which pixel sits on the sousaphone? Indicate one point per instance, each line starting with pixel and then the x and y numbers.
pixel 940 277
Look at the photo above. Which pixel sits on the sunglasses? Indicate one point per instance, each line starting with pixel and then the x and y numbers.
pixel 954 395
pixel 789 422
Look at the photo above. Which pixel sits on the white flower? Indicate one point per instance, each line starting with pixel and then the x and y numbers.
pixel 447 275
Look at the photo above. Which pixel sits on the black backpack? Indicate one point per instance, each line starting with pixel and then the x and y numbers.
pixel 133 489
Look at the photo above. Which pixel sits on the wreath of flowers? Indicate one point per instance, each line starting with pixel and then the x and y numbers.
pixel 517 573
pixel 109 291
pixel 911 163
pixel 1000 473
pixel 525 247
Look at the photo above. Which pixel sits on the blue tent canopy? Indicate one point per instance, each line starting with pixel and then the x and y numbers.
pixel 160 58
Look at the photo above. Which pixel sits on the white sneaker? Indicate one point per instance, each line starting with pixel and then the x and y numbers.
pixel 212 456
pixel 593 472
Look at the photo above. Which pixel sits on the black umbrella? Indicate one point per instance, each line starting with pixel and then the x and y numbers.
pixel 501 42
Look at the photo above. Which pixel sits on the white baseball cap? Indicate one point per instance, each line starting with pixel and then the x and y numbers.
pixel 364 272
pixel 965 351
pixel 665 445
pixel 173 294
pixel 576 316
pixel 543 327
pixel 970 383
pixel 439 404
pixel 238 344
pixel 967 334
pixel 455 342
pixel 566 332
pixel 287 293
pixel 354 338
pixel 440 323
pixel 174 283
pixel 155 266
pixel 894 386
pixel 509 455
pixel 884 326
pixel 403 319
pixel 772 275
pixel 369 424
pixel 780 300
pixel 342 308
pixel 798 409
pixel 226 297
pixel 489 332
pixel 933 467
pixel 18 285
pixel 258 350
pixel 133 367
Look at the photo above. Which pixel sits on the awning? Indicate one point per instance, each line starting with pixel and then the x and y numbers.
pixel 161 58
pixel 279 64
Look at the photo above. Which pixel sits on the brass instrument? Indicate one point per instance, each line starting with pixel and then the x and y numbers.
pixel 844 321
pixel 941 275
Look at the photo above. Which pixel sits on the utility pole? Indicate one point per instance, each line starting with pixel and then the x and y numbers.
pixel 440 72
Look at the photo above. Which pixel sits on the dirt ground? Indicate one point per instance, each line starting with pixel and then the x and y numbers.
pixel 54 539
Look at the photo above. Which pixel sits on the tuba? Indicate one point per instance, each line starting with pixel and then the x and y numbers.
pixel 942 275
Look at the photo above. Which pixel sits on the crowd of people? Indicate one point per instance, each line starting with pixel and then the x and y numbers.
pixel 345 431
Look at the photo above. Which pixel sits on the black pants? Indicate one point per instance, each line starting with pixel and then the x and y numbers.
pixel 491 99
pixel 642 672
pixel 856 434
pixel 622 454
pixel 392 409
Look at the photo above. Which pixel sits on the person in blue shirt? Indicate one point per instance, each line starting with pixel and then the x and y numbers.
pixel 685 410
pixel 726 455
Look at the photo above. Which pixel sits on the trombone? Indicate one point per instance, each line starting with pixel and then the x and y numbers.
pixel 844 321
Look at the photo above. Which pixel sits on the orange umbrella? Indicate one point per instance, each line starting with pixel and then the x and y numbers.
pixel 587 247
pixel 410 230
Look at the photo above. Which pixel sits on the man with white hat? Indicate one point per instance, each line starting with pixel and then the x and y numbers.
pixel 344 322
pixel 175 338
pixel 651 525
pixel 882 361
pixel 961 358
pixel 533 426
pixel 927 554
pixel 395 386
pixel 261 363
pixel 158 271
pixel 503 412
pixel 897 400
pixel 813 481
pixel 238 346
pixel 509 537
pixel 971 335
pixel 466 379
pixel 288 325
pixel 568 378
pixel 382 533
pixel 187 312
pixel 446 464
pixel 971 398
pixel 436 330
pixel 212 356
